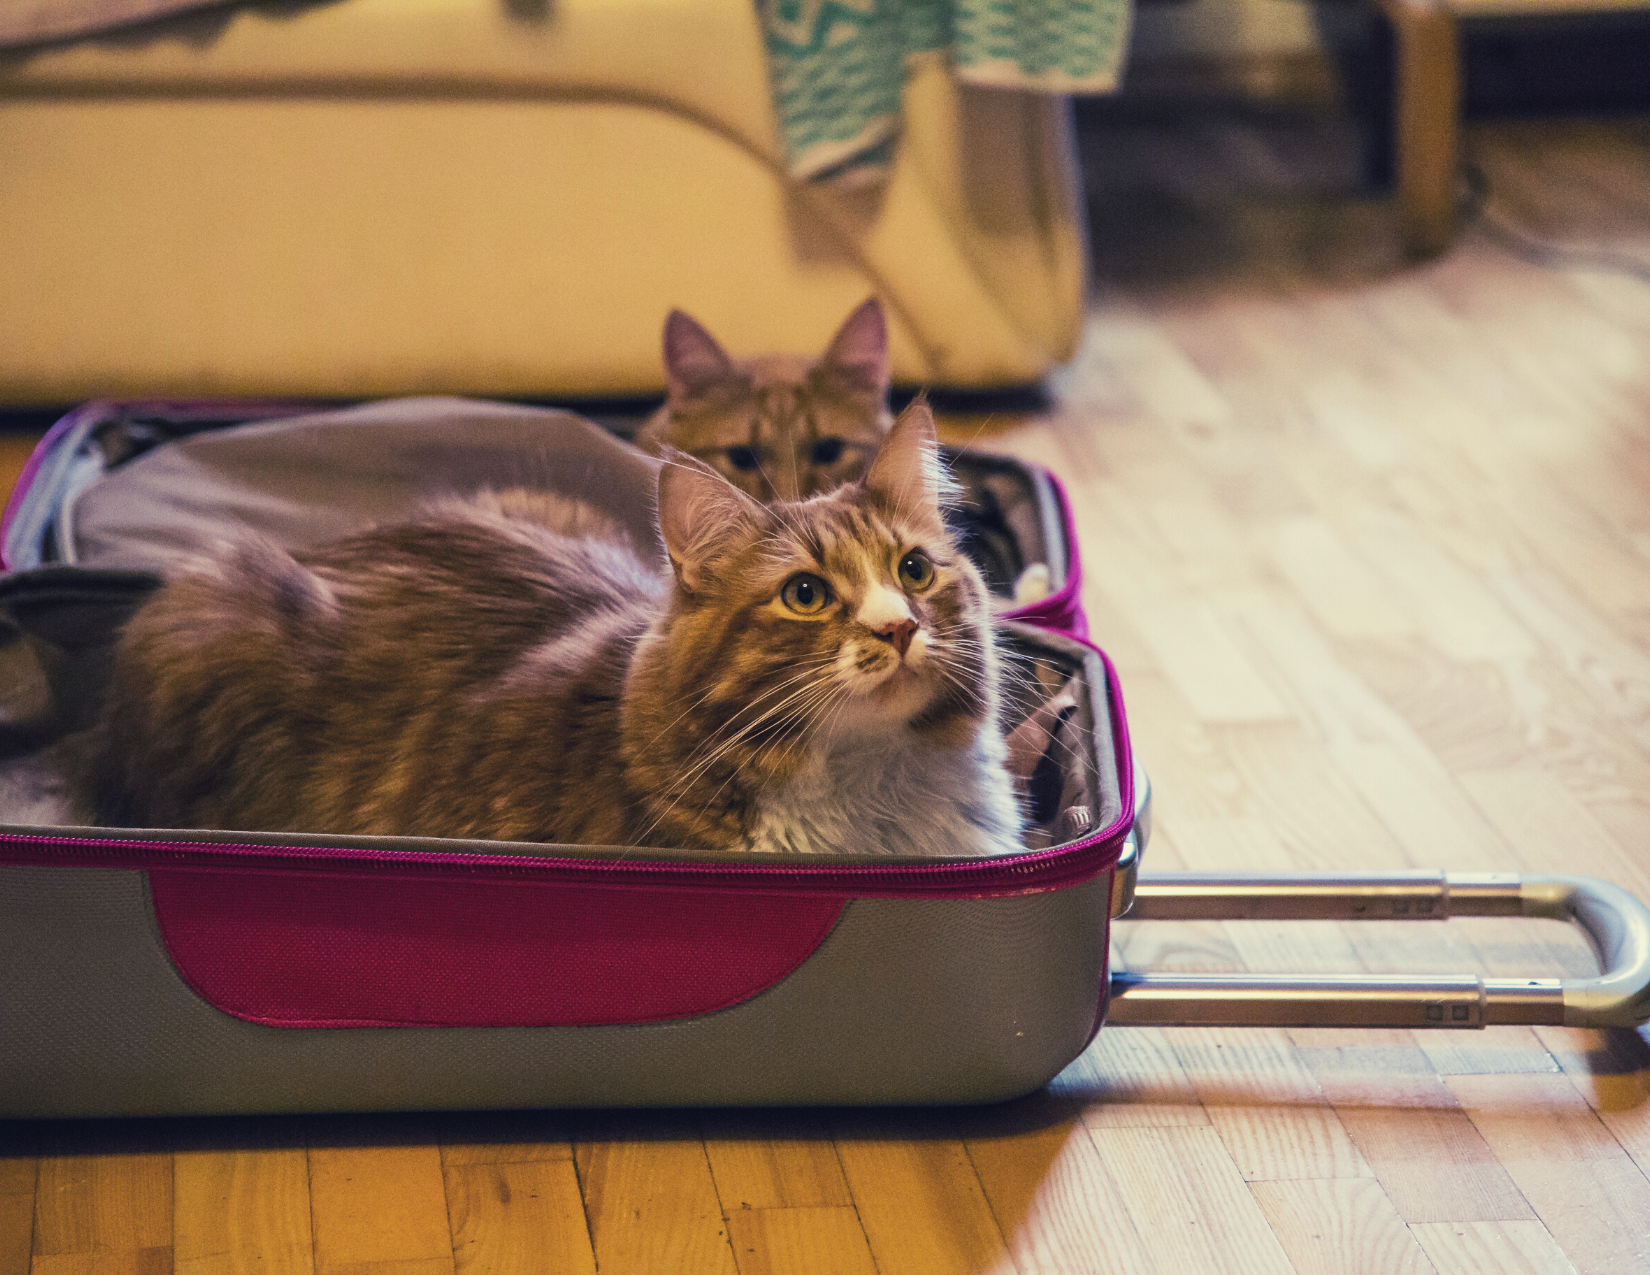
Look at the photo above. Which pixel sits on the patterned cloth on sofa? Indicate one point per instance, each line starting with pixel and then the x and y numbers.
pixel 837 65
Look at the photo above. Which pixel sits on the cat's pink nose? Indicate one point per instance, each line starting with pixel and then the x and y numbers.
pixel 900 634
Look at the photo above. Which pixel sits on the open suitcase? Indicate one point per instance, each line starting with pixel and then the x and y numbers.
pixel 154 972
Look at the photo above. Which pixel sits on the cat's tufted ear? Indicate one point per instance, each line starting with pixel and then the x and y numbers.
pixel 859 349
pixel 699 513
pixel 907 472
pixel 693 359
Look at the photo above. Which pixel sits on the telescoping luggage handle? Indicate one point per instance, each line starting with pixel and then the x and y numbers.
pixel 1615 922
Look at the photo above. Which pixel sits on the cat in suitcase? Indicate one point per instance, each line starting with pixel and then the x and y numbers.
pixel 807 677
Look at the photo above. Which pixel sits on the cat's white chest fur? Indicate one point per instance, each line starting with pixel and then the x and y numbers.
pixel 899 796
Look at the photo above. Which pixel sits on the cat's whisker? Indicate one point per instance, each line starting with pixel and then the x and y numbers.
pixel 712 690
pixel 746 730
pixel 684 781
pixel 744 733
pixel 766 753
pixel 828 729
pixel 804 671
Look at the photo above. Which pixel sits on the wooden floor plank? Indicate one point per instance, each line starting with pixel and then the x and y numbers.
pixel 1493 1051
pixel 816 1240
pixel 1054 1199
pixel 1343 1226
pixel 1201 658
pixel 1430 1160
pixel 651 1201
pixel 241 1211
pixel 382 1208
pixel 1457 611
pixel 921 1203
pixel 1191 1207
pixel 1343 592
pixel 779 1160
pixel 1318 811
pixel 147 1261
pixel 1423 805
pixel 1186 947
pixel 1545 823
pixel 1604 668
pixel 1469 715
pixel 518 1217
pixel 1581 1183
pixel 1155 371
pixel 1265 1104
pixel 1611 1070
pixel 1301 947
pixel 104 1204
pixel 1236 841
pixel 1509 948
pixel 1492 1248
pixel 1192 775
pixel 18 1174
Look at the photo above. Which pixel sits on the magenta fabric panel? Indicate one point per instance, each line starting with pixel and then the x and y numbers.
pixel 306 950
pixel 1062 610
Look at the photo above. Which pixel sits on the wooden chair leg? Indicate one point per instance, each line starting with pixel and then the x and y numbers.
pixel 1427 121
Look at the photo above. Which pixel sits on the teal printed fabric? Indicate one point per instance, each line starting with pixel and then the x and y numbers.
pixel 1059 46
pixel 837 65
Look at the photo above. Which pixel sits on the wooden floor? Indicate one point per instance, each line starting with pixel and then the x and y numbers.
pixel 1370 545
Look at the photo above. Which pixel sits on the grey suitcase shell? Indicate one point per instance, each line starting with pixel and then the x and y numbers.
pixel 153 972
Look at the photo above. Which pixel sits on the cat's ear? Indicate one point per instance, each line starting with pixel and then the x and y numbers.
pixel 699 512
pixel 907 473
pixel 693 359
pixel 859 349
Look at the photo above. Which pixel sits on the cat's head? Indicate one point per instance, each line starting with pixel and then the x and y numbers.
pixel 779 427
pixel 846 617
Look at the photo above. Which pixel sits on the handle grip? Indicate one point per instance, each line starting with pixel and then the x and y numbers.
pixel 1618 926
pixel 1616 923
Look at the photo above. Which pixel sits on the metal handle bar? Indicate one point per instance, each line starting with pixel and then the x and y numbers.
pixel 1615 922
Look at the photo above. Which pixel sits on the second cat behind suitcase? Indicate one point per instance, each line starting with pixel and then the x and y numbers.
pixel 813 677
pixel 777 426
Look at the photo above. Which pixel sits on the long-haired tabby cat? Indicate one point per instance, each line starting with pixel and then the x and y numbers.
pixel 808 677
pixel 777 426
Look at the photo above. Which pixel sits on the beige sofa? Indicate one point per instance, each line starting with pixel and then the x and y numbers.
pixel 373 197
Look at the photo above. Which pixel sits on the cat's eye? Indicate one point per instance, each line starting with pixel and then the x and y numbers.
pixel 744 458
pixel 827 451
pixel 916 570
pixel 805 594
